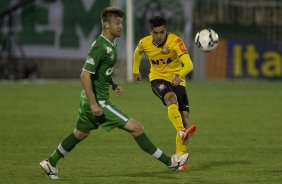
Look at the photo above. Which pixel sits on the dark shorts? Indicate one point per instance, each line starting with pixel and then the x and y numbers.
pixel 161 87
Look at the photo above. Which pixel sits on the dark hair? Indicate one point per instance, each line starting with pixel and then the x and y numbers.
pixel 109 12
pixel 156 21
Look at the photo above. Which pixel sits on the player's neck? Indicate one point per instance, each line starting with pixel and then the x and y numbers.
pixel 159 45
pixel 108 36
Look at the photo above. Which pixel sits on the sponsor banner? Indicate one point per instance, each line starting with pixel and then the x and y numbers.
pixel 254 59
pixel 51 28
pixel 216 65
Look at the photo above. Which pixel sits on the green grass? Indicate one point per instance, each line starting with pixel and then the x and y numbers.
pixel 238 139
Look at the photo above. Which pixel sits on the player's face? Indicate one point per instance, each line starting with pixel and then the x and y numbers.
pixel 115 26
pixel 159 34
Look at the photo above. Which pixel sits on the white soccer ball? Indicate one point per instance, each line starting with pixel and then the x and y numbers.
pixel 206 40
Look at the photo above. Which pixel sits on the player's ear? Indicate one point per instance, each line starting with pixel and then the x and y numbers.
pixel 106 25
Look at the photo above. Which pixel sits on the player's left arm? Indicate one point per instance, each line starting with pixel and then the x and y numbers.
pixel 187 68
pixel 185 59
pixel 187 65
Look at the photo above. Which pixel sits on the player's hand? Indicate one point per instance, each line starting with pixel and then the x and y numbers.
pixel 119 90
pixel 176 79
pixel 96 109
pixel 137 78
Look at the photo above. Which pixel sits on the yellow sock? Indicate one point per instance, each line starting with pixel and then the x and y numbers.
pixel 180 147
pixel 175 117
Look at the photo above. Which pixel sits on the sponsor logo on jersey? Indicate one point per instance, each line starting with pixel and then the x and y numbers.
pixel 161 61
pixel 90 61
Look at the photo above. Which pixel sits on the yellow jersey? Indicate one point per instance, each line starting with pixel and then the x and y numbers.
pixel 164 59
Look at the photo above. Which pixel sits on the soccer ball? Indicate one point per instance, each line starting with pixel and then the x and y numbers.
pixel 206 40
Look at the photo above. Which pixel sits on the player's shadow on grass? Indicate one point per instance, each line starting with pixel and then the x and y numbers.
pixel 166 174
pixel 160 174
pixel 209 165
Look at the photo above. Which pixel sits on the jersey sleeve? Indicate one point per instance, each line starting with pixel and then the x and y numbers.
pixel 180 47
pixel 95 56
pixel 187 65
pixel 138 54
pixel 140 46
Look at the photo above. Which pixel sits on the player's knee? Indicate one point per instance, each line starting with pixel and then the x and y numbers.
pixel 170 98
pixel 139 129
pixel 80 135
pixel 136 128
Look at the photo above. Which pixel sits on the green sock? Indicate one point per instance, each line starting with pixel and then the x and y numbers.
pixel 146 145
pixel 55 157
pixel 63 149
pixel 165 159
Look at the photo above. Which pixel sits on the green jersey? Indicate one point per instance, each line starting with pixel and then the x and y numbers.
pixel 100 63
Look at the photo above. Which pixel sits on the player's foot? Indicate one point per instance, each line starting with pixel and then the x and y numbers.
pixel 186 134
pixel 183 168
pixel 178 161
pixel 52 172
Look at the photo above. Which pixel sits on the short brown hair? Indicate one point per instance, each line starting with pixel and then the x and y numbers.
pixel 109 12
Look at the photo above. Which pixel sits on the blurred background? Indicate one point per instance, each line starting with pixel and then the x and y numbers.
pixel 49 39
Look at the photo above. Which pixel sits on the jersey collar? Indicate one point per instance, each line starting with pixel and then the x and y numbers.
pixel 113 44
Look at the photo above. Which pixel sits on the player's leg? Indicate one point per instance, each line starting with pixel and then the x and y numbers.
pixel 137 131
pixel 191 128
pixel 176 119
pixel 114 118
pixel 169 96
pixel 183 104
pixel 85 124
pixel 67 144
pixel 173 113
pixel 184 116
pixel 163 90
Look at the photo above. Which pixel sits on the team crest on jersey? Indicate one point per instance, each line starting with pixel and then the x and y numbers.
pixel 165 50
pixel 161 87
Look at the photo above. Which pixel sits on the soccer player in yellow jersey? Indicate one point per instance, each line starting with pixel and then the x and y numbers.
pixel 170 63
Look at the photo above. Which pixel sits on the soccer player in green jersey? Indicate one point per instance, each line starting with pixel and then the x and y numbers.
pixel 96 109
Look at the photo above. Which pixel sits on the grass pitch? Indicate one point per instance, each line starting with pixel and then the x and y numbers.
pixel 238 140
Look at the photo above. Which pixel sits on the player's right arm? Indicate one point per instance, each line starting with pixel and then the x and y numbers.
pixel 96 54
pixel 87 86
pixel 138 55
